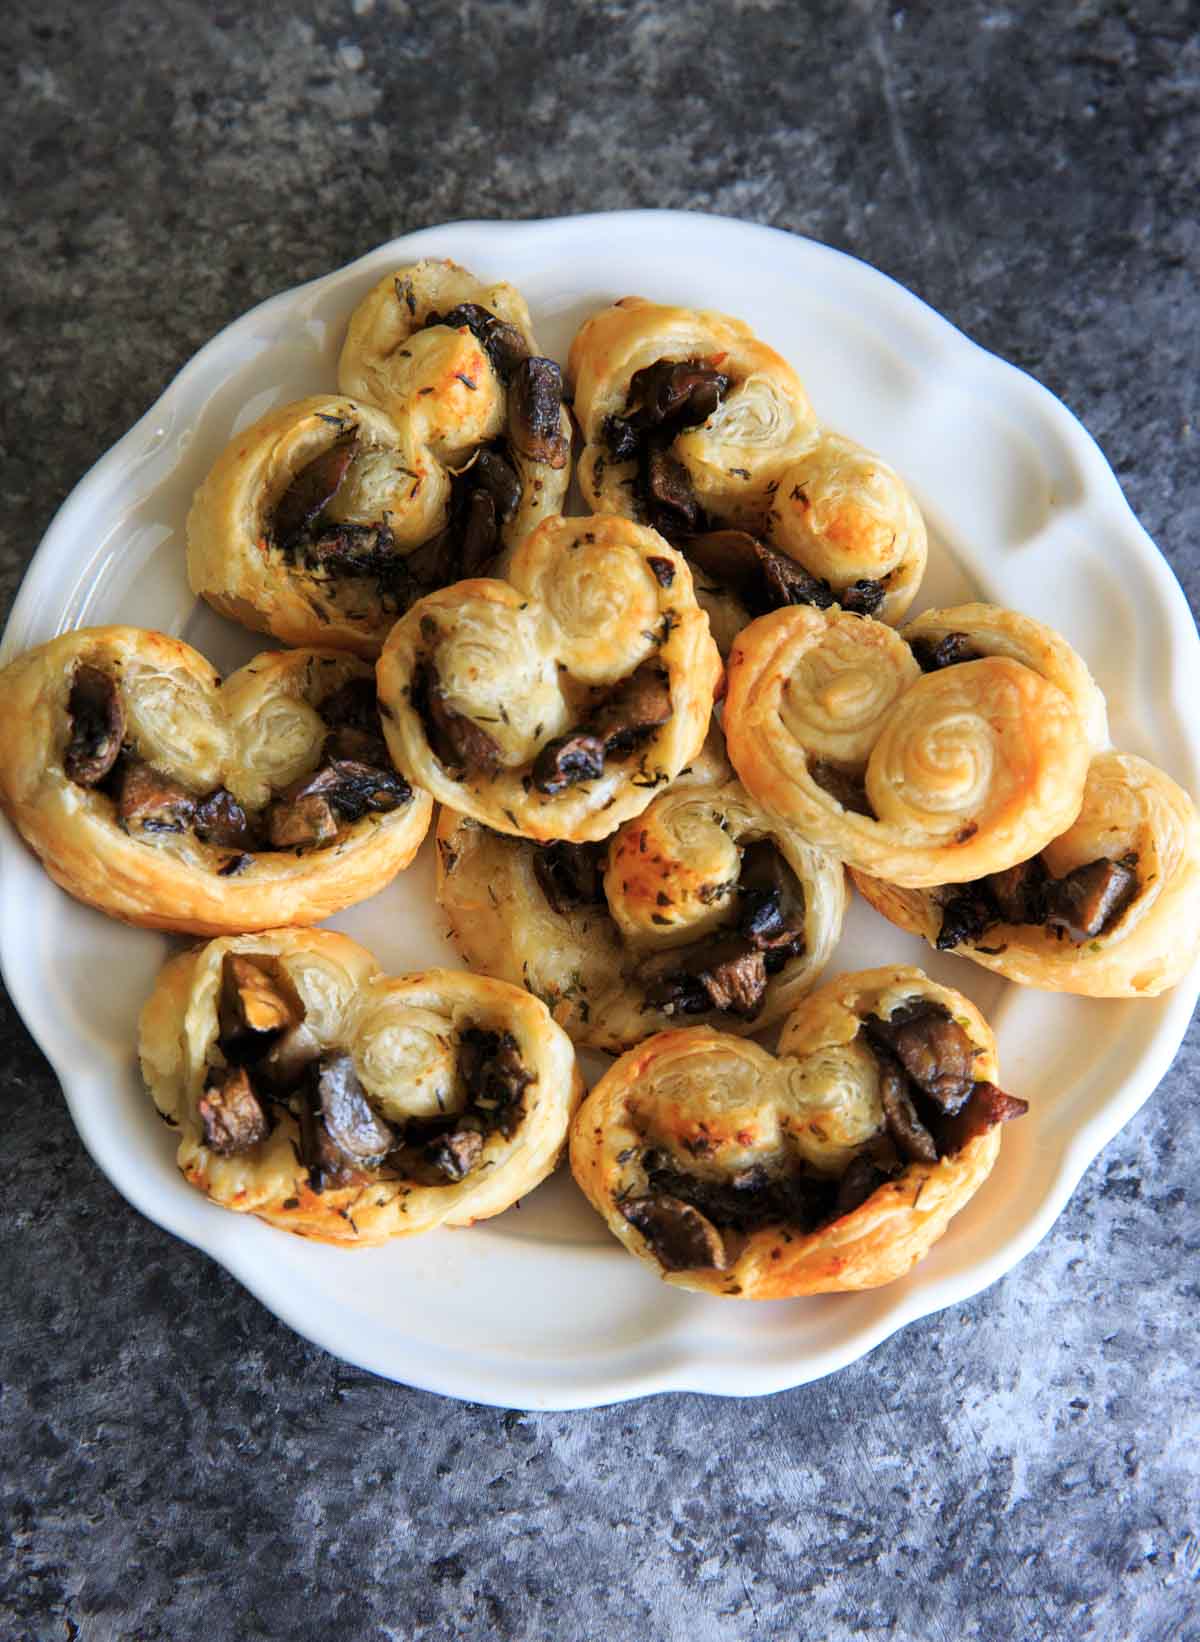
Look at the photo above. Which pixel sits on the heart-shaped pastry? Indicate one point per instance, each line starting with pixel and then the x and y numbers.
pixel 835 1165
pixel 329 517
pixel 347 1105
pixel 704 908
pixel 163 797
pixel 923 777
pixel 696 427
pixel 1111 909
pixel 554 704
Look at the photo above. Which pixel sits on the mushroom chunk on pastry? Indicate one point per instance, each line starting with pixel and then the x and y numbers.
pixel 704 908
pixel 829 1166
pixel 166 797
pixel 342 1104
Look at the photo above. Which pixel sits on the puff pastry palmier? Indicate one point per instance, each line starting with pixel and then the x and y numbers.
pixel 693 425
pixel 1111 909
pixel 932 757
pixel 553 704
pixel 835 1165
pixel 449 442
pixel 347 1105
pixel 163 797
pixel 703 908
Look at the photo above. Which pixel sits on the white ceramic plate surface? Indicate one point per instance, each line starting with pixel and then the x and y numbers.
pixel 540 1308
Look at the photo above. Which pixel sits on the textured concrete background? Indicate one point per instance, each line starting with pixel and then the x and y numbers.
pixel 175 1464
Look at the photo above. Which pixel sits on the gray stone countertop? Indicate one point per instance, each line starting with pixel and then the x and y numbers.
pixel 176 1464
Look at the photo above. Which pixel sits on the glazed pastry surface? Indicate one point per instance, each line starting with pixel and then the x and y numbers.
pixel 1137 943
pixel 554 704
pixel 464 1085
pixel 695 426
pixel 923 777
pixel 735 1172
pixel 168 818
pixel 447 443
pixel 704 908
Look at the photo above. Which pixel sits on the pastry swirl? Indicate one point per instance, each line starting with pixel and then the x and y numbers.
pixel 923 777
pixel 1110 909
pixel 553 704
pixel 448 442
pixel 704 908
pixel 693 425
pixel 350 1106
pixel 835 1165
pixel 165 798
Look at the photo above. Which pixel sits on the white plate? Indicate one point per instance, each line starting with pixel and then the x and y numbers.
pixel 541 1308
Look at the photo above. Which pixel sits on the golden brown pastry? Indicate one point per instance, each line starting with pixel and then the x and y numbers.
pixel 931 757
pixel 448 442
pixel 347 1105
pixel 1111 909
pixel 835 1166
pixel 704 908
pixel 694 426
pixel 553 704
pixel 163 797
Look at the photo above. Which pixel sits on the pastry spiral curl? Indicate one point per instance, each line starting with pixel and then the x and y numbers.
pixel 694 426
pixel 835 1165
pixel 350 1106
pixel 923 778
pixel 1111 909
pixel 448 443
pixel 167 799
pixel 552 705
pixel 703 908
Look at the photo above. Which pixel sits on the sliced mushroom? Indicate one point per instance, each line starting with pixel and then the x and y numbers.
pixel 1087 901
pixel 311 491
pixel 678 1235
pixel 679 394
pixel 771 910
pixel 221 821
pixel 671 501
pixel 967 915
pixel 455 1154
pixel 97 716
pixel 862 598
pixel 300 821
pixel 492 473
pixel 913 1140
pixel 987 1106
pixel 931 1046
pixel 762 577
pixel 258 1004
pixel 934 654
pixel 150 802
pixel 480 533
pixel 231 1114
pixel 341 1134
pixel 728 974
pixel 570 875
pixel 535 412
pixel 457 741
pixel 495 1077
pixel 638 706
pixel 846 786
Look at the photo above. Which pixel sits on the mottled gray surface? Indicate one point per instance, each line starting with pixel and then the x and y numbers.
pixel 176 1464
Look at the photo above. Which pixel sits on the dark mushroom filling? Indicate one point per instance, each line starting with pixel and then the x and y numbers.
pixel 762 578
pixel 635 708
pixel 932 1107
pixel 354 778
pixel 504 345
pixel 456 741
pixel 934 654
pixel 727 972
pixel 271 1056
pixel 664 399
pixel 846 786
pixel 570 875
pixel 1082 906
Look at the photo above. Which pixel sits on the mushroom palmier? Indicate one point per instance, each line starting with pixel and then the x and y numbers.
pixel 448 443
pixel 347 1105
pixel 835 1164
pixel 1109 909
pixel 695 426
pixel 554 704
pixel 954 749
pixel 704 908
pixel 166 798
